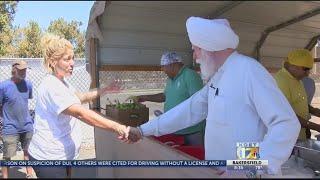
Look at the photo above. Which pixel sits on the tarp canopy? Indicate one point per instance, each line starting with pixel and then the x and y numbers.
pixel 138 32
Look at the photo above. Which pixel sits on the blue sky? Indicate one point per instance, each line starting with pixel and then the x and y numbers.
pixel 45 11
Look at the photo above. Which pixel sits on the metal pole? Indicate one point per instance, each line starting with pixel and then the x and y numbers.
pixel 224 9
pixel 267 31
pixel 313 41
pixel 96 42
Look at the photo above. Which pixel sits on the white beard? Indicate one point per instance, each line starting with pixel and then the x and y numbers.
pixel 207 67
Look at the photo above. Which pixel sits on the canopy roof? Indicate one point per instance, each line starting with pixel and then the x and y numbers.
pixel 137 32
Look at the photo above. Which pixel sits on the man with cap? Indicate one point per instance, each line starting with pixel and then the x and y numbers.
pixel 181 84
pixel 296 67
pixel 241 101
pixel 17 123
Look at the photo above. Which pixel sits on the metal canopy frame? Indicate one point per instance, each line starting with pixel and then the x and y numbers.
pixel 312 42
pixel 224 9
pixel 268 30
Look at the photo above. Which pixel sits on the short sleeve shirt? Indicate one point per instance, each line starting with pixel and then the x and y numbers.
pixel 295 93
pixel 184 85
pixel 14 101
pixel 57 136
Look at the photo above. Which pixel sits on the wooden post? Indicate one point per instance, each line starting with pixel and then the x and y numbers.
pixel 92 62
pixel 93 69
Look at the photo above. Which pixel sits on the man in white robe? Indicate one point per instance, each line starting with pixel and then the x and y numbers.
pixel 241 101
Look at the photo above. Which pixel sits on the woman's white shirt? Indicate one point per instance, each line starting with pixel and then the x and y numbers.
pixel 56 136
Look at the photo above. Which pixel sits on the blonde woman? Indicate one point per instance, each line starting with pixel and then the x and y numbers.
pixel 57 131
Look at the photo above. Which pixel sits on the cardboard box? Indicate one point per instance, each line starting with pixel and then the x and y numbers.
pixel 129 117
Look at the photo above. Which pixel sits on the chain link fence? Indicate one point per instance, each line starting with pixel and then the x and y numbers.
pixel 80 80
pixel 132 82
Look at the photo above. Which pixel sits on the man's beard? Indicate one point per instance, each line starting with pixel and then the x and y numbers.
pixel 20 77
pixel 207 66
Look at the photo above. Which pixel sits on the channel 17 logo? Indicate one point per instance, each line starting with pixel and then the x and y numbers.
pixel 248 151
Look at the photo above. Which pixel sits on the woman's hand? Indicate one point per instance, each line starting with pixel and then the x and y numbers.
pixel 123 132
pixel 114 87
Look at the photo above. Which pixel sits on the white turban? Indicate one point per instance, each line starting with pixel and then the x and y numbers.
pixel 211 35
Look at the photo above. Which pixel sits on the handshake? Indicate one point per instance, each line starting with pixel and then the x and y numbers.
pixel 129 134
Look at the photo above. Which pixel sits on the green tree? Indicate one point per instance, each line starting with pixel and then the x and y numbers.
pixel 80 48
pixel 7 12
pixel 15 35
pixel 29 44
pixel 71 32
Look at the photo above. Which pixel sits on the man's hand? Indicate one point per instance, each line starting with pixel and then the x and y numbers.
pixel 134 135
pixel 129 134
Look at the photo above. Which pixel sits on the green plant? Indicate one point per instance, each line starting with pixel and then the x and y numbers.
pixel 125 106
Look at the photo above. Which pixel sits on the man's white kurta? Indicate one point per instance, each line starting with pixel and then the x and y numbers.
pixel 241 103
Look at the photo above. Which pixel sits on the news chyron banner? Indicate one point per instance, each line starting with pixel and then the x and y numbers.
pixel 117 163
pixel 248 158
